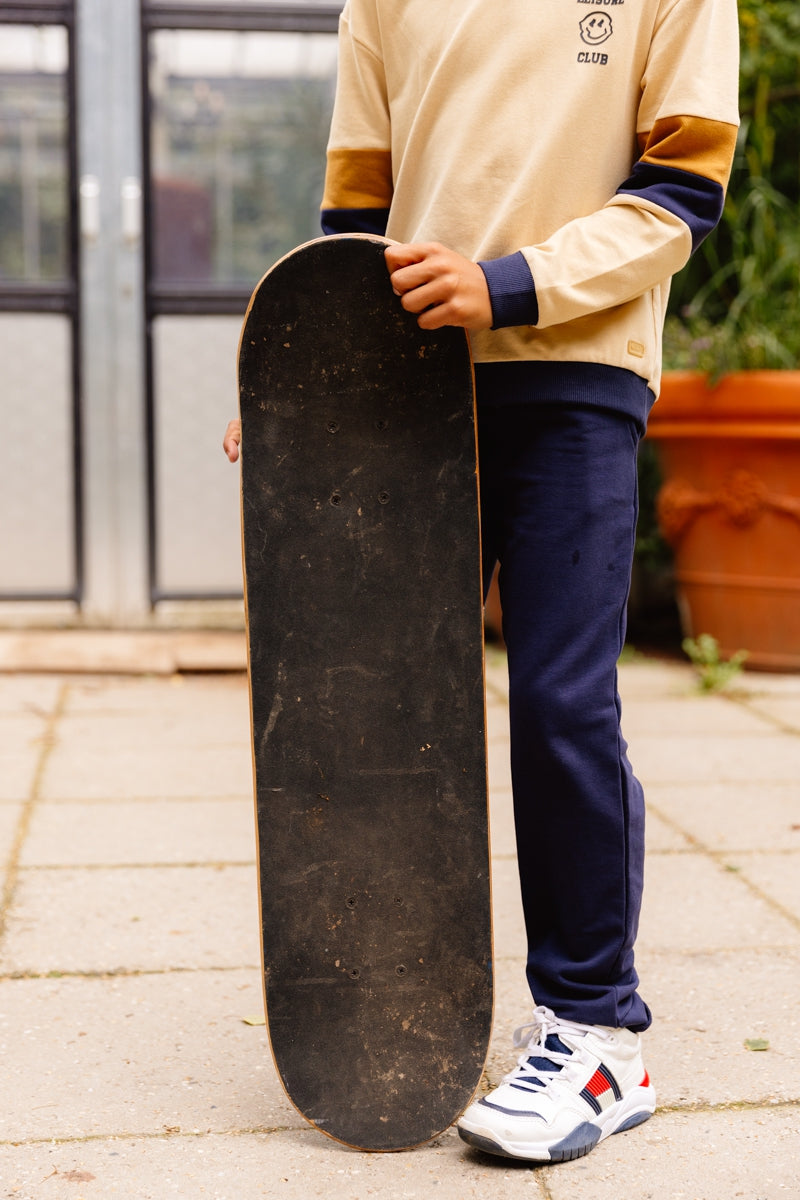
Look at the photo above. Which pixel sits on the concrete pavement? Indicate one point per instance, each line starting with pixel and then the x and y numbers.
pixel 129 957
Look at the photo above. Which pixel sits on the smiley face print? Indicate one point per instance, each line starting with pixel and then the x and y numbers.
pixel 596 28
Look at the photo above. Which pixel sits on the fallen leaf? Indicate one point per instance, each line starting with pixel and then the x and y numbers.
pixel 756 1044
pixel 259 1020
pixel 77 1176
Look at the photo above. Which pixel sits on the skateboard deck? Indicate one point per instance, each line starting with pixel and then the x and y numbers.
pixel 364 614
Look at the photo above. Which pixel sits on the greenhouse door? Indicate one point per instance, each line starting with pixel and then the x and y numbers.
pixel 155 159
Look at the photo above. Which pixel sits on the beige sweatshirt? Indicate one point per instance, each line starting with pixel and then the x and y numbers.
pixel 579 149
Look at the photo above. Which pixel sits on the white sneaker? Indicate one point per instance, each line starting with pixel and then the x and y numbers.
pixel 574 1086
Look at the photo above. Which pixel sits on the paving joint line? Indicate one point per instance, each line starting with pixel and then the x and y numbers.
pixel 110 973
pixel 541 1182
pixel 47 741
pixel 745 700
pixel 123 973
pixel 156 798
pixel 176 1133
pixel 138 866
pixel 163 1135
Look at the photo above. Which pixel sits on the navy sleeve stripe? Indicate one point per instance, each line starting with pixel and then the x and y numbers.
pixel 698 201
pixel 355 220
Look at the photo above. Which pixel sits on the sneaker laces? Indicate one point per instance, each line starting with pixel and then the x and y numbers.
pixel 545 1052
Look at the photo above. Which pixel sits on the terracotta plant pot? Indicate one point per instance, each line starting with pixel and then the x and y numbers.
pixel 730 508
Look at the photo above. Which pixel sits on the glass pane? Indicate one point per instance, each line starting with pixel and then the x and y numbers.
pixel 239 128
pixel 36 470
pixel 201 4
pixel 197 489
pixel 34 161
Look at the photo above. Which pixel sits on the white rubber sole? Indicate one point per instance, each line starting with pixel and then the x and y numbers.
pixel 634 1109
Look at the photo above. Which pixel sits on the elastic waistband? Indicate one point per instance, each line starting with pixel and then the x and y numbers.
pixel 594 385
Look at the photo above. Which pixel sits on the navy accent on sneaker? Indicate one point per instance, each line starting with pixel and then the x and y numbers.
pixel 580 1141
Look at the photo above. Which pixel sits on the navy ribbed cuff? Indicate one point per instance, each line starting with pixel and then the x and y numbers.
pixel 512 291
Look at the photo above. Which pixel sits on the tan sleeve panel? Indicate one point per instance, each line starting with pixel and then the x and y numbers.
pixel 358 179
pixel 691 144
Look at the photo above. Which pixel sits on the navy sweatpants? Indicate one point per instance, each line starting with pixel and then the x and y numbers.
pixel 559 508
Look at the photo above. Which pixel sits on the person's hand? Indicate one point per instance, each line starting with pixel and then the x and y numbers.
pixel 232 440
pixel 440 286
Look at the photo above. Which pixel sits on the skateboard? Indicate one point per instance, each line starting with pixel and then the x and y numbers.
pixel 364 619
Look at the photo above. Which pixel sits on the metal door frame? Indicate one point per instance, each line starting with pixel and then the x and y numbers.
pixel 112 307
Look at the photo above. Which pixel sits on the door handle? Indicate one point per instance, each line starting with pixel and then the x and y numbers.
pixel 131 210
pixel 89 192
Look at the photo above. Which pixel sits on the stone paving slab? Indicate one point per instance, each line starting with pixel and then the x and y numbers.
pixel 776 876
pixel 124 832
pixel 705 1007
pixel 655 679
pixel 121 1062
pixel 36 694
pixel 501 823
pixel 769 683
pixel 293 1165
pixel 21 740
pixel 109 770
pixel 782 710
pixel 661 837
pixel 692 715
pixel 507 919
pixel 729 1155
pixel 100 1056
pixel 693 904
pixel 190 720
pixel 726 817
pixel 709 759
pixel 140 919
pixel 136 1055
pixel 499 765
pixel 192 695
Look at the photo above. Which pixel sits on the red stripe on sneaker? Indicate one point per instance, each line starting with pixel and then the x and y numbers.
pixel 646 1081
pixel 598 1084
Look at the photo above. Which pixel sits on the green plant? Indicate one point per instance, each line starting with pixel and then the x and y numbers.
pixel 715 672
pixel 737 306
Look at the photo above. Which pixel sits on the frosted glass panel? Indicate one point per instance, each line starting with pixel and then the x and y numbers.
pixel 197 490
pixel 37 516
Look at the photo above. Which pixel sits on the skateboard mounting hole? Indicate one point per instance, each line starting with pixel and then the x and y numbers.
pixel 336 499
pixel 351 902
pixel 354 973
pixel 401 971
pixel 333 426
pixel 381 425
pixel 383 497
